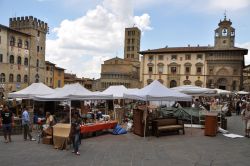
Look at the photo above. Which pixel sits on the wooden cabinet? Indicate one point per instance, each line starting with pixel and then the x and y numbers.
pixel 138 122
pixel 211 124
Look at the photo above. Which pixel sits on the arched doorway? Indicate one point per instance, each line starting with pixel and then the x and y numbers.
pixel 222 83
pixel 173 83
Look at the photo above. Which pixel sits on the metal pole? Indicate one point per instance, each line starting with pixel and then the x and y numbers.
pixel 145 120
pixel 69 111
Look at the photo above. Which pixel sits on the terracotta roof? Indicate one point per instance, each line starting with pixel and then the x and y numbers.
pixel 191 49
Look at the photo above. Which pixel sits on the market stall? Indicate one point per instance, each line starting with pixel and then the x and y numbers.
pixel 156 92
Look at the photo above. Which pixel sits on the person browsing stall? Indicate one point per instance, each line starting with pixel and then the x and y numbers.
pixel 246 117
pixel 26 124
pixel 7 121
pixel 75 132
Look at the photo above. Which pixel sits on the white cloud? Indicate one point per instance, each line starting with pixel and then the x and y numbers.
pixel 247 46
pixel 208 6
pixel 84 43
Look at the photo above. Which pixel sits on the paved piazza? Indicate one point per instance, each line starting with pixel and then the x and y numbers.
pixel 130 150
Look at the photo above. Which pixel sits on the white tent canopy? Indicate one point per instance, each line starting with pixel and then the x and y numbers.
pixel 157 92
pixel 116 90
pixel 195 90
pixel 31 91
pixel 72 92
pixel 223 92
pixel 242 93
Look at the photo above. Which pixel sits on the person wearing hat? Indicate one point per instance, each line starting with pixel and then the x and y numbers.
pixel 7 122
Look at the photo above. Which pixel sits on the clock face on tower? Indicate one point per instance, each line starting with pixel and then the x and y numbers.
pixel 224 32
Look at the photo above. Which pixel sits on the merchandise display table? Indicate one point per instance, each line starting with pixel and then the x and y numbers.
pixel 87 128
pixel 61 135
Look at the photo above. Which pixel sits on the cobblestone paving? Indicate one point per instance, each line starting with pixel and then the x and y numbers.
pixel 193 148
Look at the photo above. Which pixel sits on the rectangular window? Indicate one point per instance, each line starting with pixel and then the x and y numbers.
pixel 128 48
pixel 59 83
pixel 187 57
pixel 150 69
pixel 160 69
pixel 38 33
pixel 173 70
pixel 50 80
pixel 47 80
pixel 160 57
pixel 128 41
pixel 199 56
pixel 132 56
pixel 133 41
pixel 187 70
pixel 150 57
pixel 37 48
pixel 59 73
pixel 173 57
pixel 198 70
pixel 1 57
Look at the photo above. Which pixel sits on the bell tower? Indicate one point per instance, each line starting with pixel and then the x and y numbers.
pixel 224 35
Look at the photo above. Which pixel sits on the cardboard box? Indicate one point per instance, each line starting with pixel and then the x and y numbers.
pixel 47 140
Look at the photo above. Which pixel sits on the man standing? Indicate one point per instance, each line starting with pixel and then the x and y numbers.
pixel 26 124
pixel 7 121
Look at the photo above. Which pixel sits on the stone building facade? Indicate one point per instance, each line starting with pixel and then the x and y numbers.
pixel 218 66
pixel 118 71
pixel 22 53
pixel 54 76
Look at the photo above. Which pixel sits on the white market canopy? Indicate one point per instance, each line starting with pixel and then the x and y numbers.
pixel 31 91
pixel 223 92
pixel 116 90
pixel 195 90
pixel 157 92
pixel 242 93
pixel 72 92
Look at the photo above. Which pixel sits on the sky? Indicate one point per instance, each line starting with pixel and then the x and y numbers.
pixel 85 33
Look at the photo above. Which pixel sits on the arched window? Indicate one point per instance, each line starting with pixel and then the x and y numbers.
pixel 11 78
pixel 26 46
pixel 37 63
pixel 19 60
pixel 187 82
pixel 12 61
pixel 37 78
pixel 12 41
pixel 173 83
pixel 198 83
pixel 25 78
pixel 18 78
pixel 26 61
pixel 20 43
pixel 2 77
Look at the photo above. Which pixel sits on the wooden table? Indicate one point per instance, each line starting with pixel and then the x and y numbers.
pixel 98 126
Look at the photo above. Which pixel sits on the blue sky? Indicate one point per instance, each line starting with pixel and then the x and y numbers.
pixel 84 33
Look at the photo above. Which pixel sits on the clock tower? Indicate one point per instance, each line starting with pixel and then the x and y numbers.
pixel 224 35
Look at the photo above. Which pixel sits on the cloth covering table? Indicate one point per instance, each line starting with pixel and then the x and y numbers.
pixel 98 126
pixel 61 135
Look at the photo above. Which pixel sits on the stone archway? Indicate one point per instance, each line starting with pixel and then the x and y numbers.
pixel 222 83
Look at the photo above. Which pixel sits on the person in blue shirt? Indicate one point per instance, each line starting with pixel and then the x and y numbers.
pixel 26 124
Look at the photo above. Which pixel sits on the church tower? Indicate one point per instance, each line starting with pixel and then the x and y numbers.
pixel 132 44
pixel 38 30
pixel 224 34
